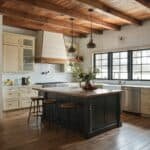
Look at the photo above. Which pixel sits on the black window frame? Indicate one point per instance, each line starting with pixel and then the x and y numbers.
pixel 94 65
pixel 129 65
pixel 120 64
pixel 140 64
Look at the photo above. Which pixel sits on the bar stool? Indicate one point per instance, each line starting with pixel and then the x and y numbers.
pixel 35 105
pixel 67 107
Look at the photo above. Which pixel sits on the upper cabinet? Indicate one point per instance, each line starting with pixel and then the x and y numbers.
pixel 18 52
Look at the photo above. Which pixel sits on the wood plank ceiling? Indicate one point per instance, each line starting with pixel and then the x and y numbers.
pixel 54 15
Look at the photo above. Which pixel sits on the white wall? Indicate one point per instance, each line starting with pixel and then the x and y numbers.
pixel 0 66
pixel 134 37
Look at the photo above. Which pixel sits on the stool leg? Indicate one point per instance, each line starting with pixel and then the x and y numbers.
pixel 29 116
pixel 37 109
pixel 34 107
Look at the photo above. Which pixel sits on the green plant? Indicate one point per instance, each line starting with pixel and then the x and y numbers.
pixel 79 75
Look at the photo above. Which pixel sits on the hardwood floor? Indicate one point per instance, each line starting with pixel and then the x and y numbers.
pixel 15 134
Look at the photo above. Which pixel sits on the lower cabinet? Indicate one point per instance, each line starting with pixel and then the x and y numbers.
pixel 145 101
pixel 11 104
pixel 17 97
pixel 104 111
pixel 97 114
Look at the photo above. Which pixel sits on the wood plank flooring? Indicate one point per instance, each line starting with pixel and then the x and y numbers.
pixel 16 134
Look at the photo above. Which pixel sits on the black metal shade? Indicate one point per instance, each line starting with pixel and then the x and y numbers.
pixel 71 49
pixel 91 44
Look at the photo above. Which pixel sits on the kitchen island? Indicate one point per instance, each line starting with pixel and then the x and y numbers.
pixel 98 111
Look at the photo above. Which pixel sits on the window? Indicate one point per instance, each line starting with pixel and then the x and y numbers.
pixel 120 65
pixel 101 63
pixel 141 65
pixel 127 65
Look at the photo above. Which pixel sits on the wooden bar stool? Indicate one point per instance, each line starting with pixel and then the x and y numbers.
pixel 35 105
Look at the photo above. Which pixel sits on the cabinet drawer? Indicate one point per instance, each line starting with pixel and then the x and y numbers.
pixel 11 105
pixel 11 95
pixel 25 103
pixel 11 99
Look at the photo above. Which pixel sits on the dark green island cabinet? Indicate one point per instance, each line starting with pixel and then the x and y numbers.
pixel 98 110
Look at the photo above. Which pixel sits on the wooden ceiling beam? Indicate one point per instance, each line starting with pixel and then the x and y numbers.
pixel 36 19
pixel 28 24
pixel 146 3
pixel 42 19
pixel 99 5
pixel 69 12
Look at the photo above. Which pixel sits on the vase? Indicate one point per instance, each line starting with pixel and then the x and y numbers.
pixel 88 86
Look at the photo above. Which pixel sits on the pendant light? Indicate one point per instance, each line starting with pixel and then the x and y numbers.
pixel 91 44
pixel 71 48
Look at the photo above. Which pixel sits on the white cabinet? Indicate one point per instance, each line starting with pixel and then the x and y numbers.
pixel 10 98
pixel 27 63
pixel 145 101
pixel 17 97
pixel 18 52
pixel 10 38
pixel 11 58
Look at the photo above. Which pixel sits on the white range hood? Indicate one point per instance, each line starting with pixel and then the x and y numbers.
pixel 50 48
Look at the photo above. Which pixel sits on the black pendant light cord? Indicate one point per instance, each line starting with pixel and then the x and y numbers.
pixel 91 24
pixel 72 30
pixel 91 44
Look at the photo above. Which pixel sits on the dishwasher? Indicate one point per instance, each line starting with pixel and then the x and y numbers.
pixel 131 99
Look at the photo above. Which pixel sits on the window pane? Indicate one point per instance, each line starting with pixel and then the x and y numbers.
pixel 123 61
pixel 115 68
pixel 97 56
pixel 104 75
pixel 146 53
pixel 123 54
pixel 115 61
pixel 98 63
pixel 137 61
pixel 146 75
pixel 115 75
pixel 146 60
pixel 98 75
pixel 101 63
pixel 104 62
pixel 145 68
pixel 123 76
pixel 136 53
pixel 104 69
pixel 123 69
pixel 104 56
pixel 137 76
pixel 136 68
pixel 115 55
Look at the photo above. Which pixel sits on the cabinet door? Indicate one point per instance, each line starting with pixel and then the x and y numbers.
pixel 11 58
pixel 97 114
pixel 111 109
pixel 10 38
pixel 28 59
pixel 145 101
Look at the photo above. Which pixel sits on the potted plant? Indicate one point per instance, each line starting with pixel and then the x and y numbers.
pixel 81 76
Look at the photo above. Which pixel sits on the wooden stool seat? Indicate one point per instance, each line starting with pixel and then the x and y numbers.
pixel 37 98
